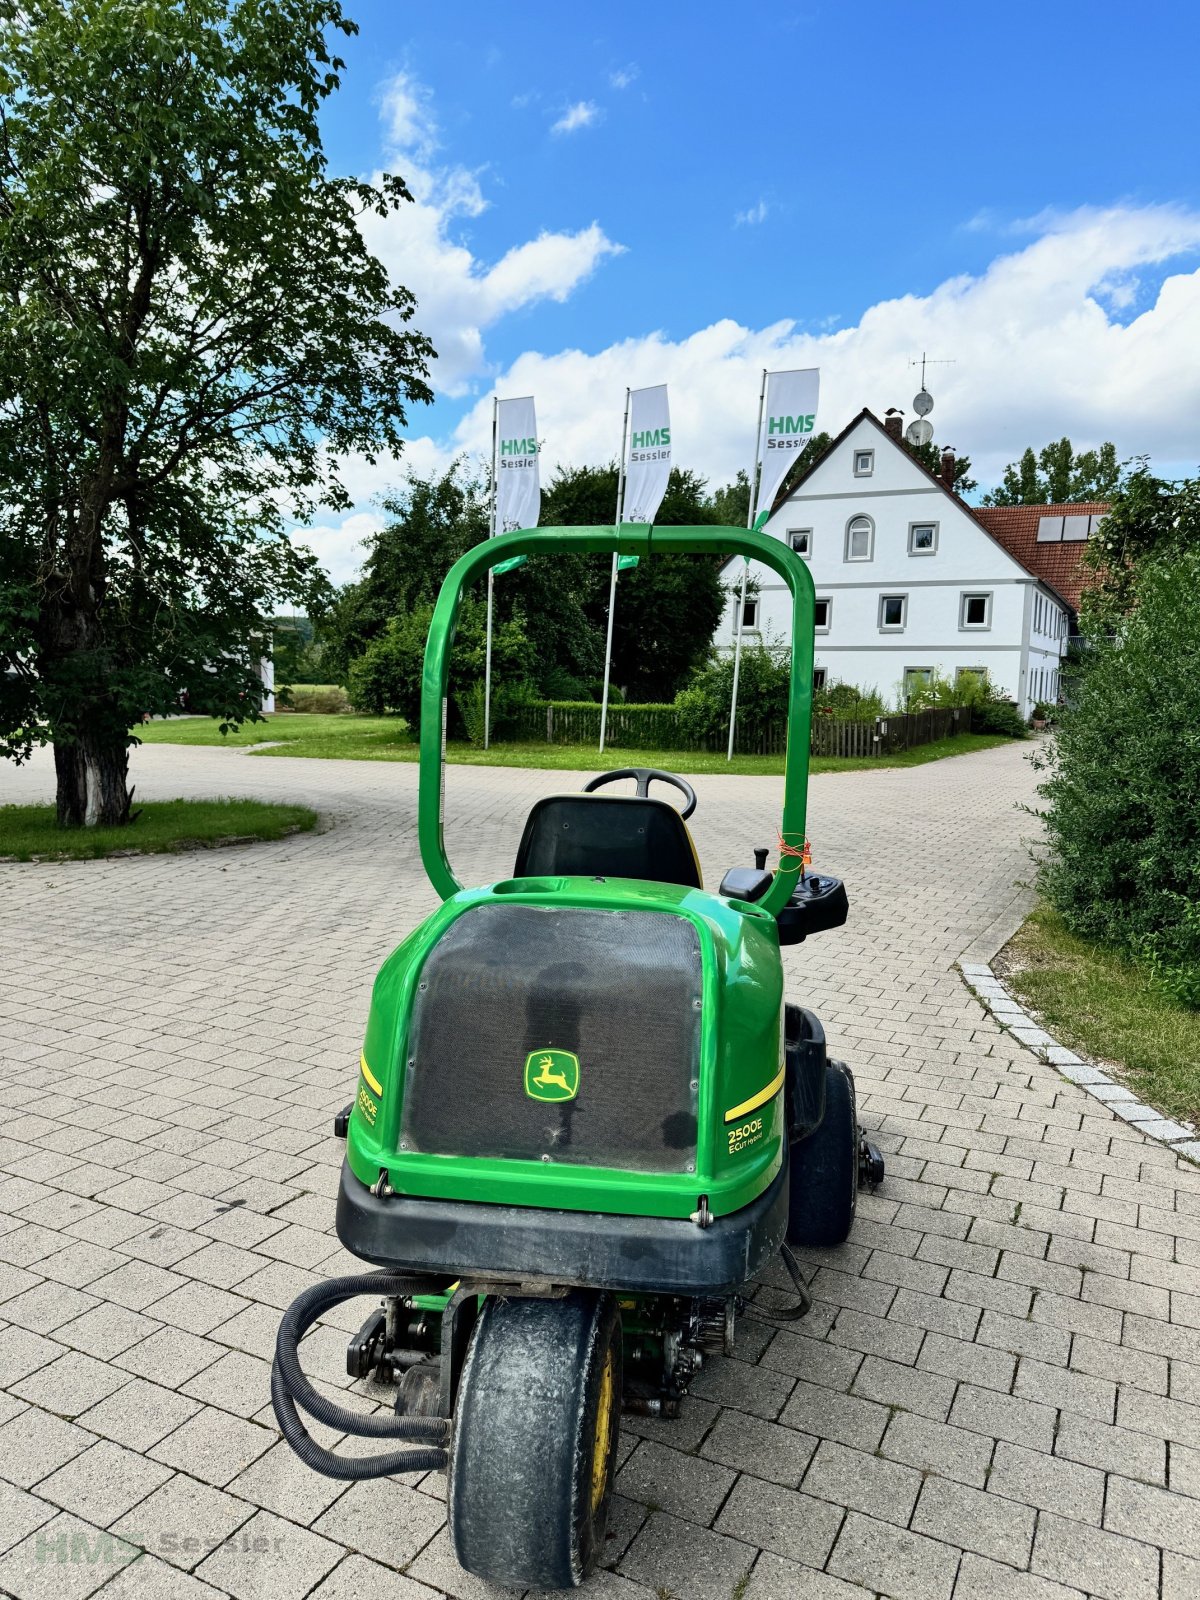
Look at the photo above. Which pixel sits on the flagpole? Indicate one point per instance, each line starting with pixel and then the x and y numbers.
pixel 612 583
pixel 487 659
pixel 737 643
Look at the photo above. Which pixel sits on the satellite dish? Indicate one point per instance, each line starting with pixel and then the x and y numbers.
pixel 919 432
pixel 923 403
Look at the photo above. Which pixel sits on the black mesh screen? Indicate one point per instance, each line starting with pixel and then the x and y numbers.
pixel 618 989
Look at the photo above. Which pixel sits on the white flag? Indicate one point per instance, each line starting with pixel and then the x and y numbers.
pixel 789 417
pixel 648 462
pixel 518 485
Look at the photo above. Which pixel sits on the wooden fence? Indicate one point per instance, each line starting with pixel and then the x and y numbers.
pixel 655 727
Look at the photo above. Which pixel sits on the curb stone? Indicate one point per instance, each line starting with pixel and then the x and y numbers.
pixel 989 990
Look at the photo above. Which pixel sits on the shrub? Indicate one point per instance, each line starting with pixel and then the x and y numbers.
pixel 998 716
pixel 327 698
pixel 702 708
pixel 846 702
pixel 1122 780
pixel 386 677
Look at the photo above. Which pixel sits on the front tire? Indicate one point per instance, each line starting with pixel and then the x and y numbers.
pixel 823 1176
pixel 533 1452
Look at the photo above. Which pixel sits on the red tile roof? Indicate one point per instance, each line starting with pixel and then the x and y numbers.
pixel 1058 564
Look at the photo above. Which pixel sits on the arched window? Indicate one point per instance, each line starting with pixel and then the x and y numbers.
pixel 860 539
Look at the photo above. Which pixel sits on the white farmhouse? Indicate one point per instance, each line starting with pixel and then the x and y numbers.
pixel 909 580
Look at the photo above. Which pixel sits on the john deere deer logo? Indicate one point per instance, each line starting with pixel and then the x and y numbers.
pixel 551 1075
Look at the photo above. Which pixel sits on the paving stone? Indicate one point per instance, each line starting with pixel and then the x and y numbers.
pixel 981 1579
pixel 791 1524
pixel 69 1385
pixel 269 1559
pixel 148 1578
pixel 763 1449
pixel 1106 1565
pixel 930 1446
pixel 985 1523
pixel 23 1352
pixel 911 1390
pixel 1124 1450
pixel 904 1565
pixel 669 1480
pixel 20 1514
pixel 745 1388
pixel 1181 1575
pixel 66 1559
pixel 677 1556
pixel 213 1446
pixel 103 1483
pixel 34 1444
pixel 1159 1516
pixel 830 1415
pixel 170 1357
pixel 386 1520
pixel 871 1483
pixel 774 1578
pixel 104 1331
pixel 139 1415
pixel 1051 1483
pixel 1003 1416
pixel 183 1522
pixel 356 1578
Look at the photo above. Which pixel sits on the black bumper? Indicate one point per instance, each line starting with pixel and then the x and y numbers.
pixel 462 1238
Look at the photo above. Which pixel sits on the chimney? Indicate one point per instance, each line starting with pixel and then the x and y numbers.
pixel 893 422
pixel 948 468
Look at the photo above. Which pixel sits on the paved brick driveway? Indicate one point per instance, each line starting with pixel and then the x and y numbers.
pixel 996 1395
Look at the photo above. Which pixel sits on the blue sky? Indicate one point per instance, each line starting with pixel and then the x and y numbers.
pixel 686 193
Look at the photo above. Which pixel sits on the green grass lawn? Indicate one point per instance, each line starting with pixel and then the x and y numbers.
pixel 352 738
pixel 29 832
pixel 1097 1002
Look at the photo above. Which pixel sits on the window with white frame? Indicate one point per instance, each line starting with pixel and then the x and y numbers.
pixel 916 678
pixel 860 539
pixel 750 613
pixel 800 540
pixel 968 677
pixel 893 612
pixel 922 538
pixel 822 613
pixel 864 463
pixel 818 677
pixel 976 611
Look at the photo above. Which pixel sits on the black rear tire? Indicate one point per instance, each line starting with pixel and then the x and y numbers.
pixel 534 1445
pixel 823 1177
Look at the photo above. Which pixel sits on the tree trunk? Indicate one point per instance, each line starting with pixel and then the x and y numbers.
pixel 92 778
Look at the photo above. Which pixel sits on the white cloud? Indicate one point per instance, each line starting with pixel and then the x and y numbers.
pixel 581 115
pixel 624 76
pixel 1036 355
pixel 1042 341
pixel 459 296
pixel 340 548
pixel 752 216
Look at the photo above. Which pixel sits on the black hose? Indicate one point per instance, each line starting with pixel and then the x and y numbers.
pixel 289 1388
pixel 804 1305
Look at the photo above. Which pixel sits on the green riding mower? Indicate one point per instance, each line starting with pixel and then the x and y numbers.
pixel 585 1119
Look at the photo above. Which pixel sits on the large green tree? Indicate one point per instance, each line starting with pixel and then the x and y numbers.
pixel 1055 475
pixel 667 606
pixel 192 335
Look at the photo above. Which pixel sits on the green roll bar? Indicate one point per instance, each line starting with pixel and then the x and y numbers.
pixel 630 538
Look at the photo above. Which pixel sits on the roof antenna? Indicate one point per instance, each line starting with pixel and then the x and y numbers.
pixel 921 431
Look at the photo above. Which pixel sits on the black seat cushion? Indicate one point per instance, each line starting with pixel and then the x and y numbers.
pixel 607 836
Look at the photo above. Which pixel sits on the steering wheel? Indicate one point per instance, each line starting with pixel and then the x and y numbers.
pixel 645 777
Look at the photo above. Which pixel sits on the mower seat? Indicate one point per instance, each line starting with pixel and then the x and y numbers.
pixel 607 836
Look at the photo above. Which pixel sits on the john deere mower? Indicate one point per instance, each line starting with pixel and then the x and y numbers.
pixel 585 1119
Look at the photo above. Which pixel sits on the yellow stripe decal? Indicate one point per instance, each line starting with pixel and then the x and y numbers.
pixel 759 1099
pixel 372 1081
